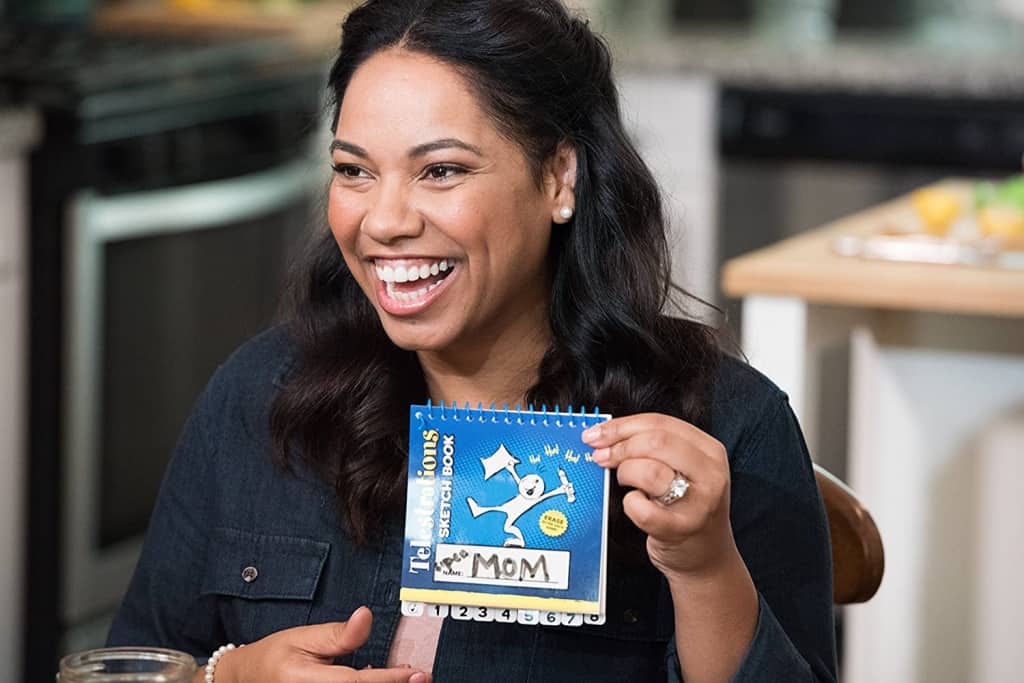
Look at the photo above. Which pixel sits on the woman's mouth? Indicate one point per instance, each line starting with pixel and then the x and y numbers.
pixel 408 286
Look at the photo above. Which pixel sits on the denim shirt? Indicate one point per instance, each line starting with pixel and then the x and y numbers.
pixel 224 507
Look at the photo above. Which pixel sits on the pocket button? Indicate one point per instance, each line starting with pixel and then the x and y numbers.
pixel 249 574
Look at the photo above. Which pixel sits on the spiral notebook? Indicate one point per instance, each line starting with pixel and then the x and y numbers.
pixel 506 517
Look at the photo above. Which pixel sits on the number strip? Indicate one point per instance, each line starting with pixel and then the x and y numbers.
pixel 530 617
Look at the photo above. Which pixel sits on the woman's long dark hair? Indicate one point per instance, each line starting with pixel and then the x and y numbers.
pixel 544 78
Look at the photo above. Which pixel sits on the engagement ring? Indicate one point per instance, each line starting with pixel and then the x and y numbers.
pixel 676 490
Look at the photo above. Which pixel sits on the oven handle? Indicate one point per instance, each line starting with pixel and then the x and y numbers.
pixel 201 206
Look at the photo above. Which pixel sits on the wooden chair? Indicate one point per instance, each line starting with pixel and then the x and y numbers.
pixel 858 559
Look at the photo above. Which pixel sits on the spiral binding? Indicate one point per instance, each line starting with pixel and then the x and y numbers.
pixel 493 414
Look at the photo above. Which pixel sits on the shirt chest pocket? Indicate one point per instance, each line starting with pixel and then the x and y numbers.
pixel 262 583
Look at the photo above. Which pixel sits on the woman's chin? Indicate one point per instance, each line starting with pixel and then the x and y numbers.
pixel 417 338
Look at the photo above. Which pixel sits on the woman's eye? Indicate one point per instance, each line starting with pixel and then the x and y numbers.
pixel 444 172
pixel 349 172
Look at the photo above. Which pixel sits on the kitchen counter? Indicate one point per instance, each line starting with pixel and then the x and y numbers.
pixel 806 267
pixel 935 399
pixel 882 64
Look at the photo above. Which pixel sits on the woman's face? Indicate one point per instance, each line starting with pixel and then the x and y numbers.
pixel 439 217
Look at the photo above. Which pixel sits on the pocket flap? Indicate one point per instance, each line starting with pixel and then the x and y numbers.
pixel 638 606
pixel 263 566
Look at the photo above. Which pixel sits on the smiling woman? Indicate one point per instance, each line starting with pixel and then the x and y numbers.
pixel 493 237
pixel 423 177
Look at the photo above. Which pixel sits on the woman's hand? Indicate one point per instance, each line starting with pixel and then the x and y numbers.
pixel 690 541
pixel 691 537
pixel 304 655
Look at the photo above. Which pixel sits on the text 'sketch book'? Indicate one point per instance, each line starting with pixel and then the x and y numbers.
pixel 506 513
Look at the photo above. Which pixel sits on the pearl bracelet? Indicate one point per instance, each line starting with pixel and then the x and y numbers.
pixel 211 665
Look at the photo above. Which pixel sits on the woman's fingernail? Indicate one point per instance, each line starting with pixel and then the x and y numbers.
pixel 601 455
pixel 592 433
pixel 419 678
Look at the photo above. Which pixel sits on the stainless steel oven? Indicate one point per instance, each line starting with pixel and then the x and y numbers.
pixel 160 286
pixel 171 180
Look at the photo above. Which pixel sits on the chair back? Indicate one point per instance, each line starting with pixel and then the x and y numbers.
pixel 858 559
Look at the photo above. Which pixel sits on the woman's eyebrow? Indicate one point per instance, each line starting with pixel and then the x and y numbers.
pixel 446 143
pixel 356 150
pixel 415 152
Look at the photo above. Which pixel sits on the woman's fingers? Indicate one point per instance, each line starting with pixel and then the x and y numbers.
pixel 651 477
pixel 647 451
pixel 305 654
pixel 335 674
pixel 326 673
pixel 662 445
pixel 648 462
pixel 392 676
pixel 327 641
pixel 613 431
pixel 657 521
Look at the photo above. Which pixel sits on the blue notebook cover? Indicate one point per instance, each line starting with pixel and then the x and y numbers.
pixel 505 508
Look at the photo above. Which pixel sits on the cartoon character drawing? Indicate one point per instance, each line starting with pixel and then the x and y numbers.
pixel 531 492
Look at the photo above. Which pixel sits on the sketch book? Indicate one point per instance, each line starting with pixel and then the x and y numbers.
pixel 506 511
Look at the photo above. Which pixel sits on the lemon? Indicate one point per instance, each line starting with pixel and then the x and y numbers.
pixel 937 209
pixel 1001 221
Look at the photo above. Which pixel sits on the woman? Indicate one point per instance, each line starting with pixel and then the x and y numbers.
pixel 494 238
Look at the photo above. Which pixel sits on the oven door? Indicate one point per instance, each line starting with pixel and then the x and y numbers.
pixel 161 286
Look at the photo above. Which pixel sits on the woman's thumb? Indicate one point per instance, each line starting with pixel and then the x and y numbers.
pixel 340 637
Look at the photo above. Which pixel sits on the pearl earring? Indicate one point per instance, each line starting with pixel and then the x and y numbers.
pixel 566 212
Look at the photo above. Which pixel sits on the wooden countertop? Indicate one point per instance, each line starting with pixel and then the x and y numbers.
pixel 805 267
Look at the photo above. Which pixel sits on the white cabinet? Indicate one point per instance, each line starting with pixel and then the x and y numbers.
pixel 17 134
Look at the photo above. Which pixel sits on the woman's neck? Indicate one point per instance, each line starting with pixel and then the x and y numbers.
pixel 500 371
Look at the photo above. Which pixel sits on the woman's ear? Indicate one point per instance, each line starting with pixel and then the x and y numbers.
pixel 560 183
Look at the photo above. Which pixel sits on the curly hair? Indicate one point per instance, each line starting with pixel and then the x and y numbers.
pixel 544 78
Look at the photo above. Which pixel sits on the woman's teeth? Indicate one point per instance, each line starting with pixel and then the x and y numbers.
pixel 409 297
pixel 396 275
pixel 403 274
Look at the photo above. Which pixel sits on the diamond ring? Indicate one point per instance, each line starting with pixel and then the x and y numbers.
pixel 676 490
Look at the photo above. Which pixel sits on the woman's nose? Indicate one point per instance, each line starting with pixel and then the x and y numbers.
pixel 390 216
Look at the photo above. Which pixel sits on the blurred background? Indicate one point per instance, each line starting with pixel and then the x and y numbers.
pixel 160 161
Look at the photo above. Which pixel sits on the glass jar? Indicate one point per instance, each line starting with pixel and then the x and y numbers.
pixel 127 665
